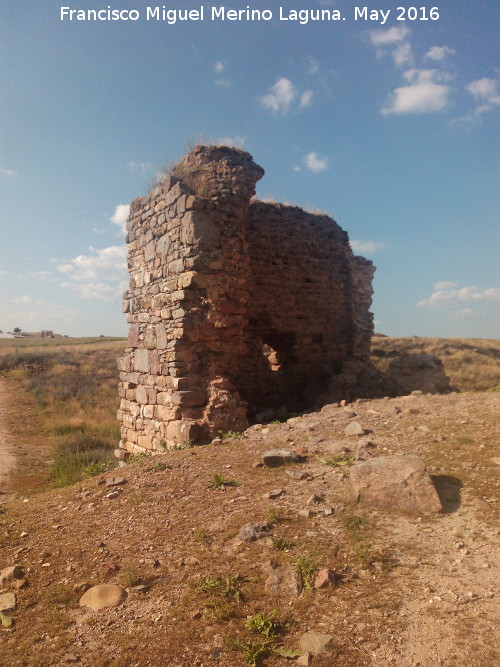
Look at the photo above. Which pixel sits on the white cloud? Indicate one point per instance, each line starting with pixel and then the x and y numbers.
pixel 403 55
pixel 3 273
pixel 237 140
pixel 219 67
pixel 449 294
pixel 314 163
pixel 306 98
pixel 120 216
pixel 222 82
pixel 485 91
pixel 296 168
pixel 439 53
pixel 396 40
pixel 365 247
pixel 101 275
pixel 282 94
pixel 424 94
pixel 8 172
pixel 390 36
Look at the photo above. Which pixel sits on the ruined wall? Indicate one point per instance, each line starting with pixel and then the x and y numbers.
pixel 234 306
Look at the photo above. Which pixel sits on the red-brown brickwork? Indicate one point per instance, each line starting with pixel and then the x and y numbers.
pixel 235 306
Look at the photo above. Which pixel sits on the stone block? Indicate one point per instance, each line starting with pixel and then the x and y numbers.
pixel 141 360
pixel 198 229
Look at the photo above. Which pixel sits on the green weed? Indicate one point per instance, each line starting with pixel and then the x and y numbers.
pixel 307 566
pixel 220 482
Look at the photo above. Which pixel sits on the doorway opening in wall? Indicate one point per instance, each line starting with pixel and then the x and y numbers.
pixel 271 357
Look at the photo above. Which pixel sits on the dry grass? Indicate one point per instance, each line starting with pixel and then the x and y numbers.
pixel 472 364
pixel 75 388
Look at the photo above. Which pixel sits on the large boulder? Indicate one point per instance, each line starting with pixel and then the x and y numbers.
pixel 399 482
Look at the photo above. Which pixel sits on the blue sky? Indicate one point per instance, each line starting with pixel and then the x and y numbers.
pixel 389 127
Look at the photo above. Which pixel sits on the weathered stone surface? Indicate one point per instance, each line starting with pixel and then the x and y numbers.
pixel 236 307
pixel 7 602
pixel 253 531
pixel 279 457
pixel 103 596
pixel 10 573
pixel 396 482
pixel 325 578
pixel 315 642
pixel 284 581
pixel 354 428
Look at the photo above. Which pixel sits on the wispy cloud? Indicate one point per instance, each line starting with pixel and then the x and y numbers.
pixel 99 275
pixel 8 172
pixel 219 67
pixel 439 53
pixel 144 168
pixel 237 140
pixel 449 294
pixel 424 93
pixel 306 98
pixel 395 40
pixel 485 92
pixel 283 96
pixel 280 97
pixel 20 299
pixel 120 216
pixel 41 275
pixel 365 247
pixel 313 65
pixel 314 163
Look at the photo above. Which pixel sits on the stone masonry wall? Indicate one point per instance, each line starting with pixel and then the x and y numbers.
pixel 234 306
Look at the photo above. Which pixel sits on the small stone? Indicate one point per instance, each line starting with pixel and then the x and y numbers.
pixel 10 573
pixel 315 642
pixel 71 657
pixel 354 428
pixel 297 474
pixel 303 660
pixel 253 531
pixel 279 457
pixel 306 514
pixel 113 494
pixel 257 464
pixel 103 596
pixel 81 587
pixel 284 581
pixel 141 588
pixel 315 498
pixel 115 481
pixel 275 493
pixel 7 602
pixel 325 578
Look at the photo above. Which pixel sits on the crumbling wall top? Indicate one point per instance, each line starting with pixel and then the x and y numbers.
pixel 219 172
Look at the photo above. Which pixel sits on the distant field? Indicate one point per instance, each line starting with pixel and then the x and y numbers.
pixel 472 364
pixel 74 382
pixel 13 345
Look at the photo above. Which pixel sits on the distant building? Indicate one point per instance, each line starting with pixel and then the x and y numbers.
pixel 46 333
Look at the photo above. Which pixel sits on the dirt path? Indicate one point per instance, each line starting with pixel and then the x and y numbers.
pixel 7 457
pixel 23 448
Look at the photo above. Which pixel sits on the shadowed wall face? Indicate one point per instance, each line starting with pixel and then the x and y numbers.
pixel 234 306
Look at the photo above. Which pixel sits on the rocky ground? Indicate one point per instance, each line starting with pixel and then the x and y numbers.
pixel 340 582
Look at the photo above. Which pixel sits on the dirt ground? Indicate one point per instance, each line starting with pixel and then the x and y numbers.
pixel 411 590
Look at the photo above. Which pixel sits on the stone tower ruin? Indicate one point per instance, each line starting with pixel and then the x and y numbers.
pixel 235 305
